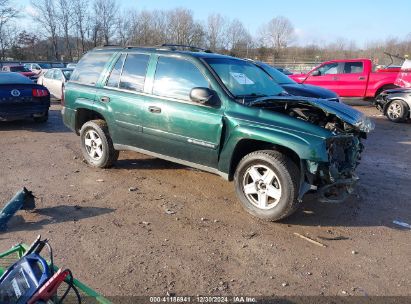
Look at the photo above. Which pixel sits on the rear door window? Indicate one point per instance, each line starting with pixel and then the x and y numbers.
pixel 134 72
pixel 89 68
pixel 353 67
pixel 176 77
pixel 114 78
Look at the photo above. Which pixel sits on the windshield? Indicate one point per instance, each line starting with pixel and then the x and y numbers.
pixel 275 74
pixel 19 69
pixel 67 73
pixel 243 79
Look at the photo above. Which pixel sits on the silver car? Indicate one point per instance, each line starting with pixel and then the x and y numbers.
pixel 54 80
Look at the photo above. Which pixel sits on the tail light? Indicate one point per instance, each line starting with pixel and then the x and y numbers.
pixel 40 92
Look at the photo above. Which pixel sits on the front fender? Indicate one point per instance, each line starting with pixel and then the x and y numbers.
pixel 306 146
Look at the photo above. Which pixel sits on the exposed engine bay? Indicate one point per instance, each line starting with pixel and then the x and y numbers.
pixel 334 179
pixel 312 114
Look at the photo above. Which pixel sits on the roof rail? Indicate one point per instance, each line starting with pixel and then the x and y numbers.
pixel 191 48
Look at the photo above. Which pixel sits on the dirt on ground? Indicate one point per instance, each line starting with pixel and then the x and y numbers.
pixel 148 226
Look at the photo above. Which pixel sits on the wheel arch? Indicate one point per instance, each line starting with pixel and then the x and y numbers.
pixel 383 87
pixel 83 115
pixel 246 146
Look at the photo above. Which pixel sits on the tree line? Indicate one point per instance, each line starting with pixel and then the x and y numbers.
pixel 66 29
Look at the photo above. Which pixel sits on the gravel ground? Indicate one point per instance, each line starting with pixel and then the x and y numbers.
pixel 182 230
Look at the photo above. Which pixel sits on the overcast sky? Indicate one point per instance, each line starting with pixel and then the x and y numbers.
pixel 318 21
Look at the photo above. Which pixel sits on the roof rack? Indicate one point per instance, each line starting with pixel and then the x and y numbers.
pixel 175 47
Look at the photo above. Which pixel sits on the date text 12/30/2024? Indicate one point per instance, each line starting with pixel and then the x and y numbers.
pixel 203 299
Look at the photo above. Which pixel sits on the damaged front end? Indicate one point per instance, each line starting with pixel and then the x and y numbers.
pixel 334 179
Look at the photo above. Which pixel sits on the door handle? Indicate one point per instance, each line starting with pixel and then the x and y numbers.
pixel 335 78
pixel 153 109
pixel 104 99
pixel 361 78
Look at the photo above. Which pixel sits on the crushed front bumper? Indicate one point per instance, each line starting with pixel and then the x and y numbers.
pixel 335 180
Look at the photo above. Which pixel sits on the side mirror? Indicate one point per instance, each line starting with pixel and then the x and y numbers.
pixel 316 73
pixel 204 96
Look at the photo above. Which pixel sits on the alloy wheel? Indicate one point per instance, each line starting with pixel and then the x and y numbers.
pixel 262 187
pixel 93 145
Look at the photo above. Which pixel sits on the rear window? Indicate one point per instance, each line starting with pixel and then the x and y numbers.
pixel 353 67
pixel 89 68
pixel 19 69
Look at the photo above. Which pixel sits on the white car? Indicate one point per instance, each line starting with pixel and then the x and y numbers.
pixel 54 80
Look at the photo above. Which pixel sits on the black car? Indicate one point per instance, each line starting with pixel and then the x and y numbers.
pixel 283 70
pixel 395 104
pixel 294 88
pixel 20 98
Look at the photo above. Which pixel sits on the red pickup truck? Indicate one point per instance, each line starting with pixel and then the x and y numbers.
pixel 350 78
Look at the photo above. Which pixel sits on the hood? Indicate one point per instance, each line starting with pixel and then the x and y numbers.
pixel 307 90
pixel 344 112
pixel 399 90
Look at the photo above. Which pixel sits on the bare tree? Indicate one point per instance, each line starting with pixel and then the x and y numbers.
pixel 105 13
pixel 182 29
pixel 277 33
pixel 65 13
pixel 123 27
pixel 216 28
pixel 80 16
pixel 238 38
pixel 46 16
pixel 8 12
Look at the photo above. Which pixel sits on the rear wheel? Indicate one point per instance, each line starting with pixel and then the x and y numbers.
pixel 396 111
pixel 96 144
pixel 266 183
pixel 43 118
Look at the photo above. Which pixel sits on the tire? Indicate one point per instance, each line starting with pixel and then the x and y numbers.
pixel 282 180
pixel 42 119
pixel 96 144
pixel 396 111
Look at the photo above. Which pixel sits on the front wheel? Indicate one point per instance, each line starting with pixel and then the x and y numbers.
pixel 396 111
pixel 96 144
pixel 266 183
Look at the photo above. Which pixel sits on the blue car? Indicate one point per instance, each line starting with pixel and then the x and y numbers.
pixel 20 98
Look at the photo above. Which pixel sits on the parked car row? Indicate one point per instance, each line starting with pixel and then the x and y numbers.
pixel 21 70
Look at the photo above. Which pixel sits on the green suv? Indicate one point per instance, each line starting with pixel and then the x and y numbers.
pixel 219 114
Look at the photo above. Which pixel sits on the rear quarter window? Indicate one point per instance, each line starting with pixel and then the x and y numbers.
pixel 89 68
